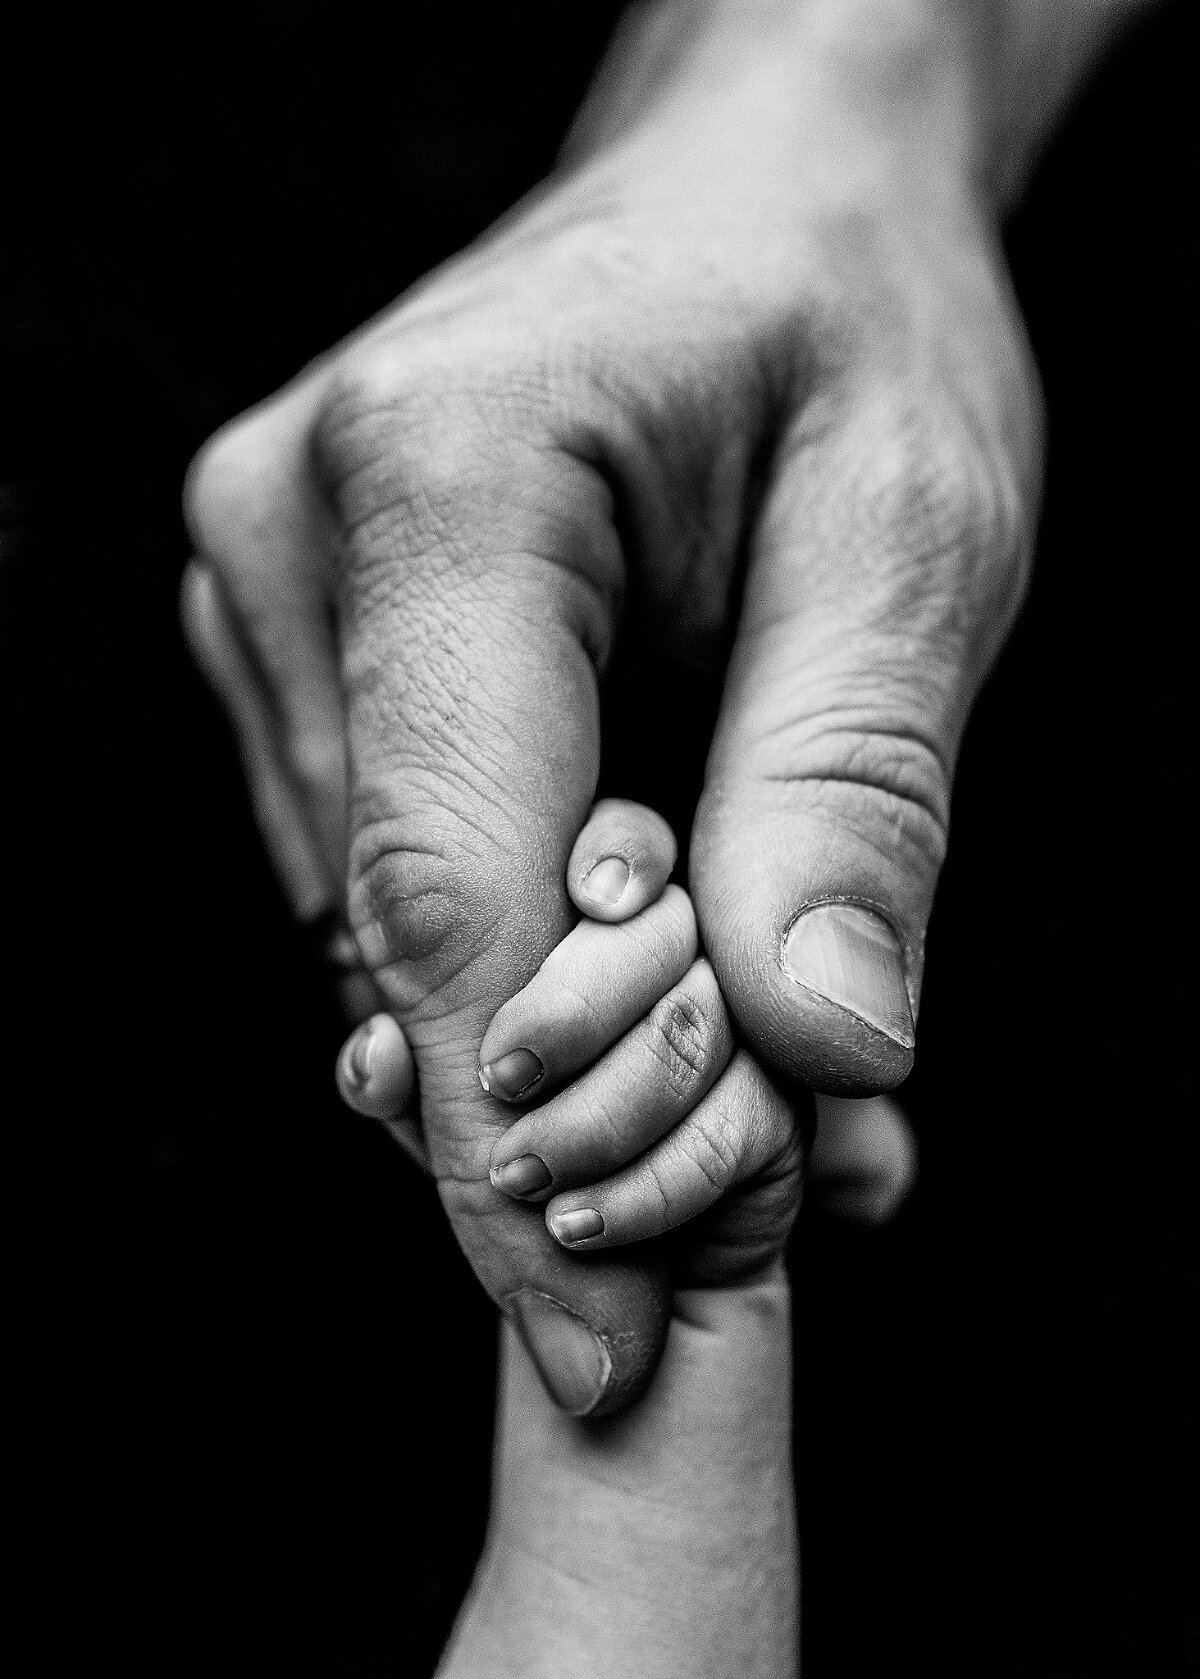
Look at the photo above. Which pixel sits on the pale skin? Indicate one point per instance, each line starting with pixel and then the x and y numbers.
pixel 758 318
pixel 749 359
pixel 622 1129
pixel 665 1536
pixel 661 1541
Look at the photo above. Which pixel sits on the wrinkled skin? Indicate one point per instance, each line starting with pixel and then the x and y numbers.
pixel 754 382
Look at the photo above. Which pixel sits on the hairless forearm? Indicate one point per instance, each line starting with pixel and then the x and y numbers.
pixel 986 79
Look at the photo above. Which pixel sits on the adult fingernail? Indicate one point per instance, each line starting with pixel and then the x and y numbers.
pixel 361 1058
pixel 606 880
pixel 523 1176
pixel 512 1076
pixel 571 1358
pixel 579 1226
pixel 850 956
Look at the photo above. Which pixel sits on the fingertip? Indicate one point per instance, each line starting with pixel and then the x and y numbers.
pixel 375 1072
pixel 816 937
pixel 621 861
pixel 864 1159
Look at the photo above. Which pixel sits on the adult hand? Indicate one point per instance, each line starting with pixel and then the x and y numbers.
pixel 748 363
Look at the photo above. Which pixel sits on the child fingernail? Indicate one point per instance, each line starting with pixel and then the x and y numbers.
pixel 579 1226
pixel 361 1058
pixel 521 1177
pixel 512 1076
pixel 606 880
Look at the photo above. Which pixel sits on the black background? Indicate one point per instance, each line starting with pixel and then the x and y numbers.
pixel 251 1375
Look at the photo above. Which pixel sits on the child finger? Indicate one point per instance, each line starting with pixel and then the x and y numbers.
pixel 639 1092
pixel 621 862
pixel 588 991
pixel 743 1127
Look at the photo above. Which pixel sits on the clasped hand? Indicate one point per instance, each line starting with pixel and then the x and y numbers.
pixel 754 386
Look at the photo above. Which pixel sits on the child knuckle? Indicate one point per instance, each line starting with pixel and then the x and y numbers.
pixel 682 1040
pixel 711 1151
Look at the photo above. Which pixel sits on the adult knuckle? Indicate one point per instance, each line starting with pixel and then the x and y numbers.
pixel 878 771
pixel 942 507
pixel 317 759
pixel 220 490
pixel 909 773
pixel 417 426
pixel 423 911
pixel 371 439
pixel 441 460
pixel 366 389
pixel 416 895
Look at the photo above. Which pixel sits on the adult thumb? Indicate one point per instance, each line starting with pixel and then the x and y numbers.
pixel 479 570
pixel 885 569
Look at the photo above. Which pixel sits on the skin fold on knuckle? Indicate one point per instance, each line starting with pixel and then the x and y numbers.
pixel 749 1109
pixel 939 530
pixel 458 794
pixel 426 913
pixel 861 767
pixel 692 1169
pixel 688 1034
pixel 907 596
pixel 711 1152
pixel 650 1199
pixel 451 467
pixel 918 522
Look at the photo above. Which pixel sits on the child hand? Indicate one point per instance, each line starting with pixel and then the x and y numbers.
pixel 632 964
pixel 664 1116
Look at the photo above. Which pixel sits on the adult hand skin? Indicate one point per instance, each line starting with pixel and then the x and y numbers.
pixel 747 363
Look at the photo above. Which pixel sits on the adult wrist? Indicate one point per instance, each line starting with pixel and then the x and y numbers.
pixel 961 92
pixel 848 90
